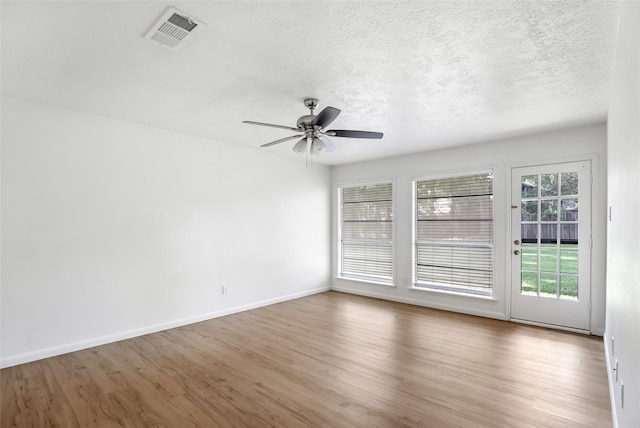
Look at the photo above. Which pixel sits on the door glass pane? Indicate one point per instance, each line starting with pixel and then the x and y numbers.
pixel 569 209
pixel 529 233
pixel 529 186
pixel 569 287
pixel 549 185
pixel 529 257
pixel 548 258
pixel 569 259
pixel 549 233
pixel 569 185
pixel 530 211
pixel 547 285
pixel 529 284
pixel 569 233
pixel 549 210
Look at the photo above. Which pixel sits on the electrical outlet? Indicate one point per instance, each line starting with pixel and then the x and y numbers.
pixel 225 290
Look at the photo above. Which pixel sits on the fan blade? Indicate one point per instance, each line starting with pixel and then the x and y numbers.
pixel 327 143
pixel 354 134
pixel 325 117
pixel 270 125
pixel 282 140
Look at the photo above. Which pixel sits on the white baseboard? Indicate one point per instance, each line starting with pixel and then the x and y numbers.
pixel 28 357
pixel 444 307
pixel 611 381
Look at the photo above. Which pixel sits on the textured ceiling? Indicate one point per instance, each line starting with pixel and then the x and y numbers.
pixel 428 74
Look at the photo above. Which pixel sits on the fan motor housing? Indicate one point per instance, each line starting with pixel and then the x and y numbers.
pixel 304 123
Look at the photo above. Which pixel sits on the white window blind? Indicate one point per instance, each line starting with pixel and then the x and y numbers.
pixel 454 234
pixel 366 232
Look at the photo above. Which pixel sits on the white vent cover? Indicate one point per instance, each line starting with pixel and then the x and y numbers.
pixel 173 28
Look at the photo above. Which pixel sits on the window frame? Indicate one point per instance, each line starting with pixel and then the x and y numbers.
pixel 339 260
pixel 452 290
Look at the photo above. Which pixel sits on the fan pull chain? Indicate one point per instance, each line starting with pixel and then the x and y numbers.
pixel 309 162
pixel 306 155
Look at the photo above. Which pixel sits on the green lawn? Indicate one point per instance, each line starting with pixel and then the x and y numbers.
pixel 550 255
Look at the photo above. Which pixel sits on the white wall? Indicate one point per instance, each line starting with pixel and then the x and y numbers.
pixel 112 229
pixel 623 251
pixel 582 143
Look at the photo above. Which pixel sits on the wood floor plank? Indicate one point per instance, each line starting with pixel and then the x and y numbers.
pixel 328 360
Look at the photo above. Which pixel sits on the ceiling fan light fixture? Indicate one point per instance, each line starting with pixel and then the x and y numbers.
pixel 317 146
pixel 300 146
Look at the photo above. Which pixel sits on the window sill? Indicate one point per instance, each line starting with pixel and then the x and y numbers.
pixel 365 281
pixel 454 294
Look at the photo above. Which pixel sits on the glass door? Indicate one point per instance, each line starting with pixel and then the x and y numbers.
pixel 551 244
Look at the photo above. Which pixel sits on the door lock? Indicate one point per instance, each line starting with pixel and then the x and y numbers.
pixel 517 242
pixel 516 252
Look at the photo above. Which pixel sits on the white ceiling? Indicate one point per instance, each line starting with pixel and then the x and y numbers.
pixel 429 74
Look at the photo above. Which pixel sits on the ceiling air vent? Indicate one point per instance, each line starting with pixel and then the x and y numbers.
pixel 173 28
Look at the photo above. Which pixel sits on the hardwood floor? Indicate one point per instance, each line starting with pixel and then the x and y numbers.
pixel 328 360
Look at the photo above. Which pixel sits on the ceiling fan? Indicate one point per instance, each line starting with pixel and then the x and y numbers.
pixel 311 128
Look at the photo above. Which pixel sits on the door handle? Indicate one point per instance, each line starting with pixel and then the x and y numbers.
pixel 516 242
pixel 516 252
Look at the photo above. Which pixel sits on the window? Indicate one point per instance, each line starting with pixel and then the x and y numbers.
pixel 366 232
pixel 453 234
